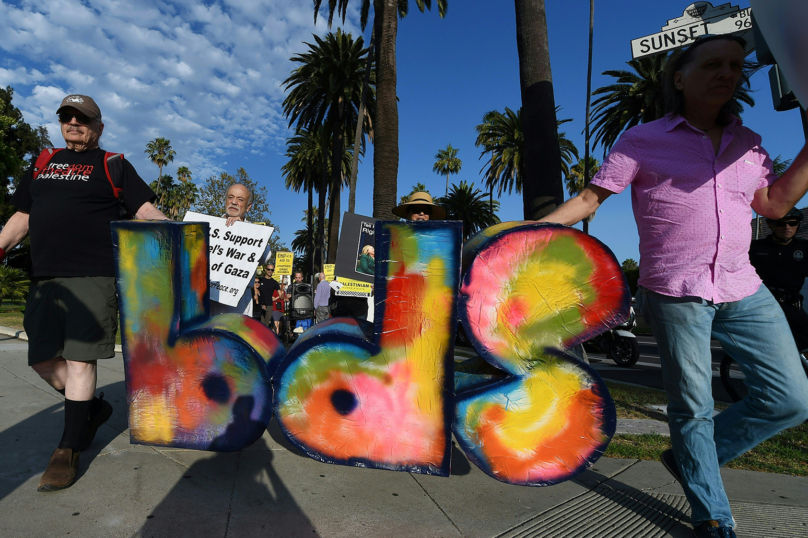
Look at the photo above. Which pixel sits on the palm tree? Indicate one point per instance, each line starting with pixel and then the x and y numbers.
pixel 446 162
pixel 186 191
pixel 629 264
pixel 160 153
pixel 385 144
pixel 13 284
pixel 326 90
pixel 467 204
pixel 501 135
pixel 418 187
pixel 543 191
pixel 638 97
pixel 166 200
pixel 576 179
pixel 301 245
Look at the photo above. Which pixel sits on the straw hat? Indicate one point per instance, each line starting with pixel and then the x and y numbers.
pixel 420 198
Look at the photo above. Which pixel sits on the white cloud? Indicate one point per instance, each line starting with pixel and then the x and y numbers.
pixel 205 76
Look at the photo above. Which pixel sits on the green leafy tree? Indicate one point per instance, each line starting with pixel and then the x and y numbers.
pixel 20 144
pixel 385 143
pixel 501 136
pixel 575 179
pixel 211 201
pixel 467 204
pixel 638 97
pixel 629 264
pixel 780 165
pixel 13 284
pixel 418 187
pixel 542 188
pixel 447 162
pixel 326 90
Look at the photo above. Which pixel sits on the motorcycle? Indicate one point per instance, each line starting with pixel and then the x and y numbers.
pixel 619 343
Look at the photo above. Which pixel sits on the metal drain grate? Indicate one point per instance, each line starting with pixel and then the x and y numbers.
pixel 608 512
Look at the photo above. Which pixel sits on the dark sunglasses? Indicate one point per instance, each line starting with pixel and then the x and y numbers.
pixel 270 270
pixel 783 224
pixel 425 209
pixel 65 117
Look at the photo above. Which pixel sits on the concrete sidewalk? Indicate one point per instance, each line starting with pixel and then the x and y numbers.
pixel 272 490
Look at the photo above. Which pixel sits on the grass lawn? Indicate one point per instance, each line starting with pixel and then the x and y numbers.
pixel 11 314
pixel 786 453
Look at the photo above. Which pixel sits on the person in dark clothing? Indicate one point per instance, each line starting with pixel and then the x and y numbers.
pixel 781 261
pixel 65 204
pixel 272 317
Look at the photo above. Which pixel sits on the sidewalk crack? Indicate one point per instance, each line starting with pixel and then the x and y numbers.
pixel 436 504
pixel 232 494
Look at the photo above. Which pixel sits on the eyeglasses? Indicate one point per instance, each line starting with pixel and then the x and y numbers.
pixel 270 270
pixel 783 224
pixel 65 117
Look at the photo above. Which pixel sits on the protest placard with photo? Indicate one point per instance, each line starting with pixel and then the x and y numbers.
pixel 356 256
pixel 235 252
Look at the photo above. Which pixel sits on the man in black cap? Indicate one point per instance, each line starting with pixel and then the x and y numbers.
pixel 65 202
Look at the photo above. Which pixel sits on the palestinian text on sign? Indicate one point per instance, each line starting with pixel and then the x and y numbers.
pixel 353 288
pixel 235 252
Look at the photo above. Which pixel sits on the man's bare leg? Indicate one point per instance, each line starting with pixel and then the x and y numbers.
pixel 54 372
pixel 81 380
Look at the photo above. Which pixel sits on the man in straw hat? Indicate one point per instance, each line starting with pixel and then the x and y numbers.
pixel 419 206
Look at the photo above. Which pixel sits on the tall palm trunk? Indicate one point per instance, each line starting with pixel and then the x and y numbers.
pixel 542 186
pixel 360 122
pixel 385 147
pixel 318 248
pixel 588 100
pixel 338 136
pixel 310 216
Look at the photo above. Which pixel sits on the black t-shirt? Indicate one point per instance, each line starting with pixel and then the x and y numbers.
pixel 780 266
pixel 268 286
pixel 70 206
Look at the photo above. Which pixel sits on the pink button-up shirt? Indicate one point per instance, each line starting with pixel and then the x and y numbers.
pixel 692 207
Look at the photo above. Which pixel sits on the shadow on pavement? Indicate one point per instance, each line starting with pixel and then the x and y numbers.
pixel 652 509
pixel 28 444
pixel 258 502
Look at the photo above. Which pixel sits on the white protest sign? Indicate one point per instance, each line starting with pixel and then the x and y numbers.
pixel 782 24
pixel 235 252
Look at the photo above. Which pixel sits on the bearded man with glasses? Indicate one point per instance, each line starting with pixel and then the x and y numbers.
pixel 781 261
pixel 65 202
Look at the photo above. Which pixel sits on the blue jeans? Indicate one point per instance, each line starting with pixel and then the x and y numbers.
pixel 755 333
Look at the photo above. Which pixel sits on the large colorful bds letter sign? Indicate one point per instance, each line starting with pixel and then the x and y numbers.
pixel 529 294
pixel 191 381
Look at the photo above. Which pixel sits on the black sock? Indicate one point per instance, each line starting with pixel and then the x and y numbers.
pixel 76 413
pixel 60 391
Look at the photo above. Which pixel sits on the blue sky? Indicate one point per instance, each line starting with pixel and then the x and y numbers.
pixel 207 76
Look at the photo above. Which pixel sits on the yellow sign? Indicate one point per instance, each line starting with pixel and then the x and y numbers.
pixel 354 288
pixel 328 269
pixel 283 263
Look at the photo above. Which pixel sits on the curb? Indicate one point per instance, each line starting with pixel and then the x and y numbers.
pixel 20 335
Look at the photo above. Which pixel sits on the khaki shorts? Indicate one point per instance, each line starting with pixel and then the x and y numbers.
pixel 71 317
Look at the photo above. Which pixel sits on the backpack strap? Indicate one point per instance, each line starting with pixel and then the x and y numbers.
pixel 113 166
pixel 44 158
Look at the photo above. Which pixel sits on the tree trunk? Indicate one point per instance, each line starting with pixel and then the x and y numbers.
pixel 338 136
pixel 360 123
pixel 447 185
pixel 385 146
pixel 542 186
pixel 318 248
pixel 309 227
pixel 588 100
